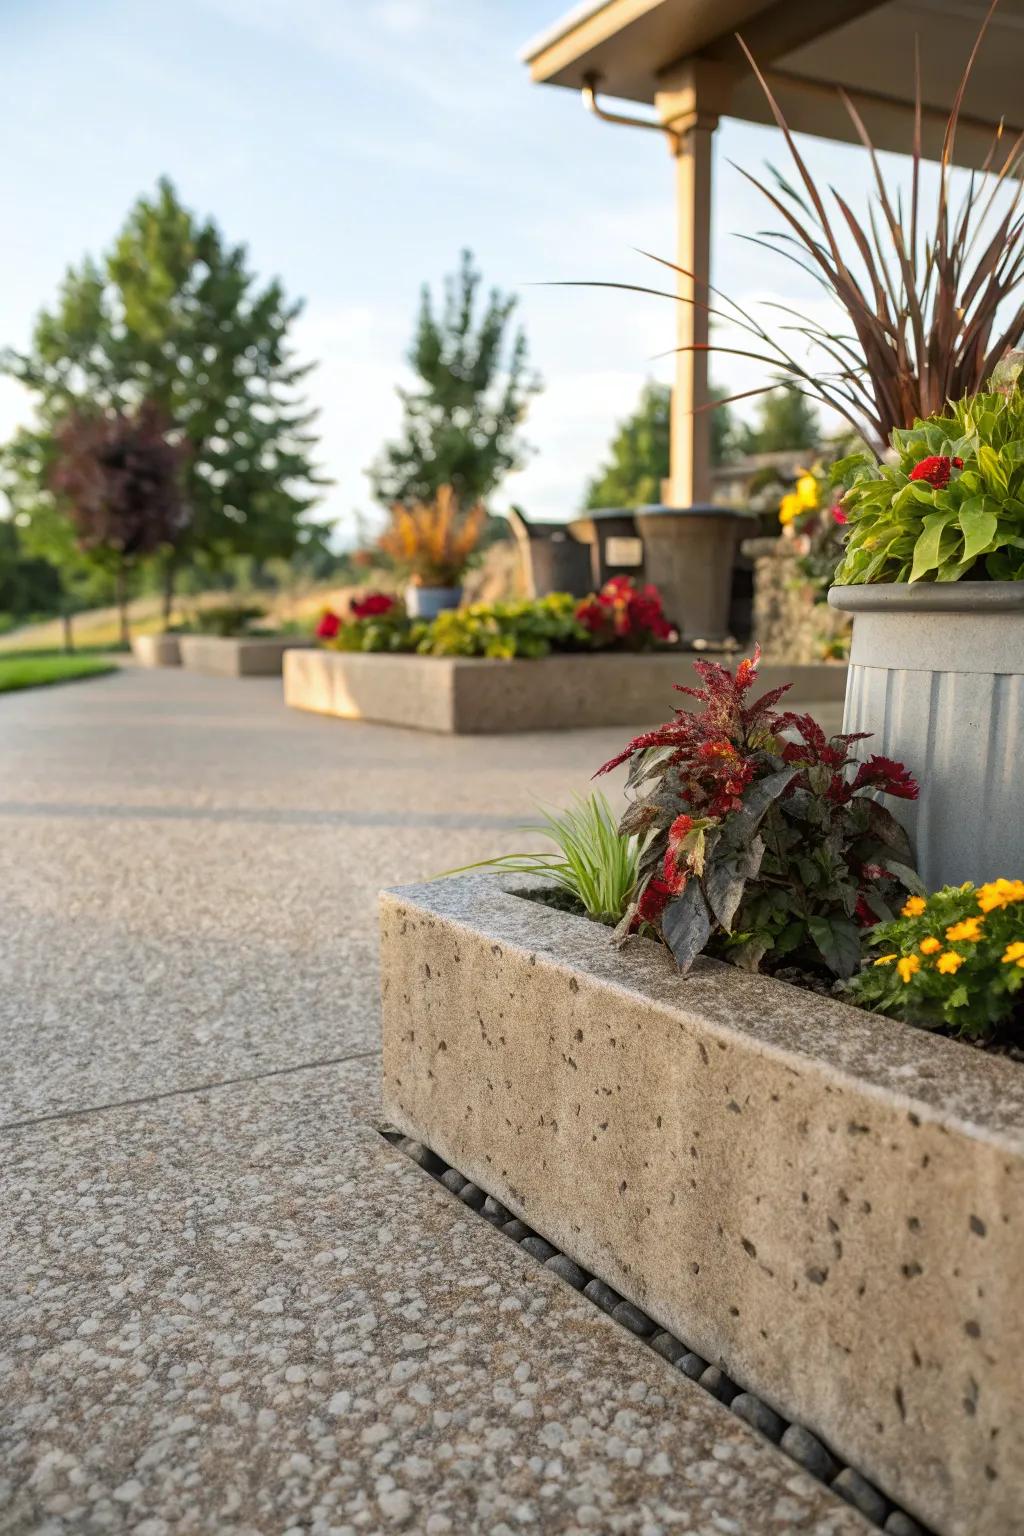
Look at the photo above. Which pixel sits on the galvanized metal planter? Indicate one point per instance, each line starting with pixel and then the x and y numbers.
pixel 937 675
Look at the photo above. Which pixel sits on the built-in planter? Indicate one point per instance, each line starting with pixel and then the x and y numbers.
pixel 468 696
pixel 828 1204
pixel 937 675
pixel 156 650
pixel 236 655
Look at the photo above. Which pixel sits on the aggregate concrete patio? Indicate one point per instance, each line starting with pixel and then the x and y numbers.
pixel 225 1302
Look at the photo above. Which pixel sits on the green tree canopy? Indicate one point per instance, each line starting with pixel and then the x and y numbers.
pixel 473 388
pixel 174 314
pixel 638 456
pixel 784 420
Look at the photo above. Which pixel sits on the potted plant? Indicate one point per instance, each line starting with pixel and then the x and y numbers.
pixel 933 574
pixel 433 541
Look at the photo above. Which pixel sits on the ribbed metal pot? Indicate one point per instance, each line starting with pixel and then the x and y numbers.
pixel 937 675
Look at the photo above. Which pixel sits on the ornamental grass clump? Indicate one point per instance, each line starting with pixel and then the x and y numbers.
pixel 433 540
pixel 760 848
pixel 950 506
pixel 593 862
pixel 953 960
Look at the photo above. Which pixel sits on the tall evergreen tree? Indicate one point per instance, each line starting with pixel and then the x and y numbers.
pixel 639 452
pixel 473 388
pixel 174 314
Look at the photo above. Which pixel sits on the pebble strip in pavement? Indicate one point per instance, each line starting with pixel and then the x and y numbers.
pixel 798 1443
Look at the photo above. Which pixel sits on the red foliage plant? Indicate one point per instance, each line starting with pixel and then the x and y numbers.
pixel 761 845
pixel 624 614
pixel 120 476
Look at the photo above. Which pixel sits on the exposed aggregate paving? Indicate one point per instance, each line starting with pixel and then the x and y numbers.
pixel 235 1307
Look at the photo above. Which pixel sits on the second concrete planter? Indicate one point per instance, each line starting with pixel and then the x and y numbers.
pixel 825 1203
pixel 237 655
pixel 937 676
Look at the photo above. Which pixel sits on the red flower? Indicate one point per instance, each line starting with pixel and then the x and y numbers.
pixel 328 626
pixel 839 516
pixel 936 470
pixel 863 913
pixel 372 606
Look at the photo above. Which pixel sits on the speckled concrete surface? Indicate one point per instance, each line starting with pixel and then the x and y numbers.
pixel 235 1307
pixel 241 1309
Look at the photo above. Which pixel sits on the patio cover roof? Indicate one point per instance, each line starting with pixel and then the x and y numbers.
pixel 807 47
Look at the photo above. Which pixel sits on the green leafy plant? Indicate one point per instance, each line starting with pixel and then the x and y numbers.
pixel 953 960
pixel 593 861
pixel 760 848
pixel 226 619
pixel 529 628
pixel 952 503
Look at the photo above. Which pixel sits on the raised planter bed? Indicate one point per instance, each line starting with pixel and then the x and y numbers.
pixel 467 696
pixel 156 650
pixel 823 1202
pixel 236 655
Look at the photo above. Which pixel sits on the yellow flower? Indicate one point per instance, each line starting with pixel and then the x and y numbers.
pixel 914 907
pixel 909 966
pixel 969 929
pixel 807 492
pixel 885 960
pixel 1000 893
pixel 790 507
pixel 930 946
pixel 1014 954
pixel 950 962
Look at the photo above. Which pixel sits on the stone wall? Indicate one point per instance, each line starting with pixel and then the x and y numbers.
pixel 789 625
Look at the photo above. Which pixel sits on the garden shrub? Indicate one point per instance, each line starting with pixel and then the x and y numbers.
pixel 531 628
pixel 952 505
pixel 760 848
pixel 953 960
pixel 227 619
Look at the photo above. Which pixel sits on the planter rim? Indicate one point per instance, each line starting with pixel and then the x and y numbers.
pixel 930 597
pixel 947 1080
pixel 699 509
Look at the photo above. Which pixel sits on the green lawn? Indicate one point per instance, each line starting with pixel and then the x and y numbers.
pixel 36 671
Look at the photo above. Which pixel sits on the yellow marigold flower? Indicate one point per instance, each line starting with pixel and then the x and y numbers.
pixel 930 946
pixel 885 960
pixel 950 962
pixel 790 507
pixel 1014 953
pixel 914 907
pixel 909 966
pixel 1000 893
pixel 969 930
pixel 807 492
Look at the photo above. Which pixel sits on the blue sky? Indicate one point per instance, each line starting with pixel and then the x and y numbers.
pixel 356 146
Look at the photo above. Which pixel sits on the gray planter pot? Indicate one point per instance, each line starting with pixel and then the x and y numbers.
pixel 689 553
pixel 937 675
pixel 428 602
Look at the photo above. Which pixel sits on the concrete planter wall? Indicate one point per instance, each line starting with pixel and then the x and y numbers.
pixel 463 696
pixel 156 650
pixel 236 655
pixel 826 1203
pixel 937 674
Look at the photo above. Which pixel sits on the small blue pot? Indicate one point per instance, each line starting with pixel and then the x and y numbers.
pixel 428 602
